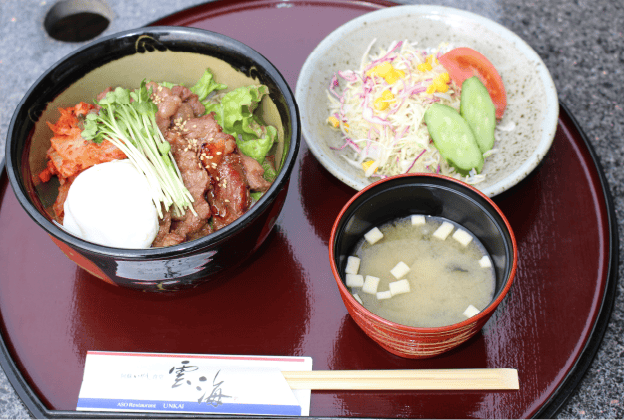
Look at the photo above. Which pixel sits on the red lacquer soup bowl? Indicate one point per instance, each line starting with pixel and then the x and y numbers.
pixel 430 195
pixel 124 59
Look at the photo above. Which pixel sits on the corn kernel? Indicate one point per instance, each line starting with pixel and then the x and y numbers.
pixel 383 101
pixel 333 121
pixel 431 59
pixel 387 95
pixel 380 70
pixel 440 86
pixel 385 70
pixel 394 75
pixel 424 67
pixel 367 164
pixel 380 104
pixel 391 78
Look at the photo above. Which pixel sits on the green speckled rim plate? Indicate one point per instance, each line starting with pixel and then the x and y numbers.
pixel 532 103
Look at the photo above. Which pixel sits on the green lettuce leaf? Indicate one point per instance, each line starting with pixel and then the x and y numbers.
pixel 269 173
pixel 235 114
pixel 167 84
pixel 206 85
pixel 255 196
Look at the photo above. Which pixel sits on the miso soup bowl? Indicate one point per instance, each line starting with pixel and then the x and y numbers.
pixel 431 195
pixel 173 54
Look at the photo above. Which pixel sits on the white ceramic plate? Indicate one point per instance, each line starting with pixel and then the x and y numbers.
pixel 532 103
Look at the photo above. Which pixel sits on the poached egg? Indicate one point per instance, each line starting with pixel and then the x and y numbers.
pixel 110 204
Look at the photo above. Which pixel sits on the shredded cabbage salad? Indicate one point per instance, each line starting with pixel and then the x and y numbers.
pixel 381 106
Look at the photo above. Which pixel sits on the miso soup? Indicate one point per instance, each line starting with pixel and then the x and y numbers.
pixel 422 271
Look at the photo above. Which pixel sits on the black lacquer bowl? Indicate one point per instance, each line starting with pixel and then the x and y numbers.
pixel 126 58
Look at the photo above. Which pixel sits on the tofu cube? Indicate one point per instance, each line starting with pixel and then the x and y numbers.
pixel 370 285
pixel 443 231
pixel 355 280
pixel 485 262
pixel 353 265
pixel 471 311
pixel 398 287
pixel 358 298
pixel 400 270
pixel 373 235
pixel 462 237
pixel 384 295
pixel 418 219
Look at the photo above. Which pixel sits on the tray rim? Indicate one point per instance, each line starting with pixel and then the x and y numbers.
pixel 572 380
pixel 549 409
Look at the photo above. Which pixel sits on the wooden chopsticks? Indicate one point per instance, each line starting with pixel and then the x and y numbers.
pixel 413 379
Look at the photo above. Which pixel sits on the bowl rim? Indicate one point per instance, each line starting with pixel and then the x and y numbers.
pixel 484 314
pixel 175 33
pixel 549 125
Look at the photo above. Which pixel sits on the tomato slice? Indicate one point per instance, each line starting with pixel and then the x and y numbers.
pixel 463 63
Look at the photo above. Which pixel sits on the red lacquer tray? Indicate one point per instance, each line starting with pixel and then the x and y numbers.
pixel 284 300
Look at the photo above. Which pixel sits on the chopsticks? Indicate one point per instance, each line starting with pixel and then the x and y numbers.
pixel 413 379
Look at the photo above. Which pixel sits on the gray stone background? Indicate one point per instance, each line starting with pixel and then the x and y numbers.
pixel 581 42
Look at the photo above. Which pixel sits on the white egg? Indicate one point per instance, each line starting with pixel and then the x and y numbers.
pixel 110 204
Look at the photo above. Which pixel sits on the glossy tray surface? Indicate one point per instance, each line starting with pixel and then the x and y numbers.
pixel 284 301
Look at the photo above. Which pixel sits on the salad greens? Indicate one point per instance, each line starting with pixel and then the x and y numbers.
pixel 206 85
pixel 131 126
pixel 234 112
